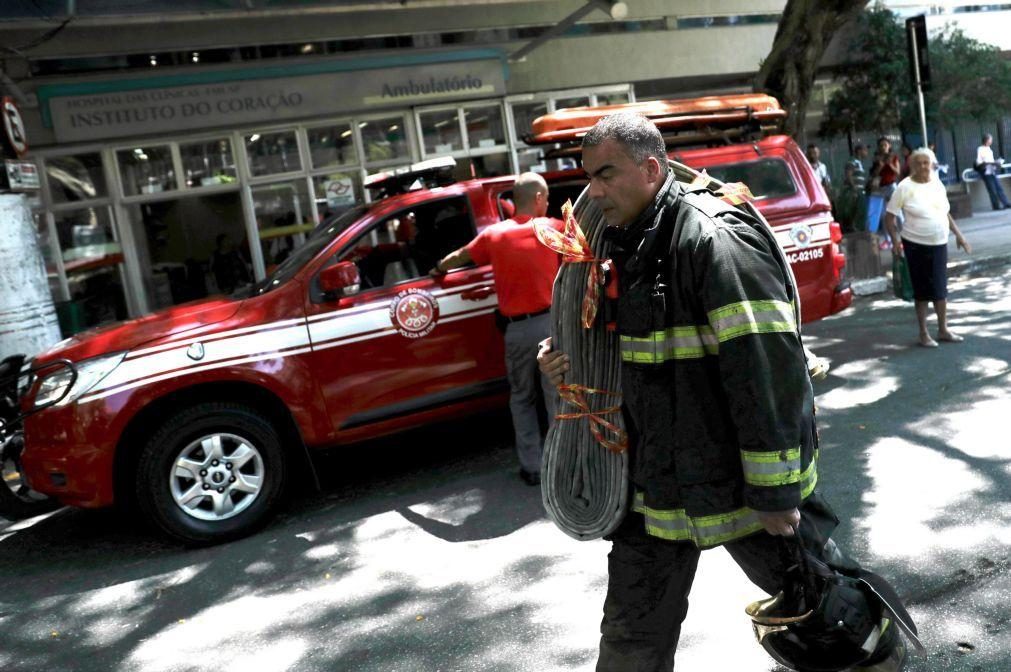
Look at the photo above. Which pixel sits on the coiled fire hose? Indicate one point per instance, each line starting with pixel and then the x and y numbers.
pixel 584 473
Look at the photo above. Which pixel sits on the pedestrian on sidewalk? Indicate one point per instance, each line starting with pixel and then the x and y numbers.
pixel 989 168
pixel 922 199
pixel 820 169
pixel 525 272
pixel 716 397
pixel 851 200
pixel 884 175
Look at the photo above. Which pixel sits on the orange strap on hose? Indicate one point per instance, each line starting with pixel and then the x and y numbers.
pixel 576 395
pixel 571 244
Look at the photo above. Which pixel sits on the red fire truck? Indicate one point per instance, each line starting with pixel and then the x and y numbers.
pixel 203 415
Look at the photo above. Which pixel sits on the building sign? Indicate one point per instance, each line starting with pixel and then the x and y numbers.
pixel 22 175
pixel 257 101
pixel 14 127
pixel 340 190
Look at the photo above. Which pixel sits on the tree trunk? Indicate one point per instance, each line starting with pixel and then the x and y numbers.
pixel 804 32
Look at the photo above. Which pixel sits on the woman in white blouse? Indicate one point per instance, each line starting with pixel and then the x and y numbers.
pixel 923 202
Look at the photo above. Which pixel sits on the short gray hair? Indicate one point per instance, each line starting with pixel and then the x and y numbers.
pixel 638 135
pixel 923 151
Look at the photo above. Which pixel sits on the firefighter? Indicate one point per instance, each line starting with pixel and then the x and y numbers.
pixel 717 399
pixel 524 272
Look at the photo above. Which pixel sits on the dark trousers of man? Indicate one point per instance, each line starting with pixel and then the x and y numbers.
pixel 521 339
pixel 997 195
pixel 649 580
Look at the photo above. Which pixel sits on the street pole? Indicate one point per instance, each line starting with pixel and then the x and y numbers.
pixel 919 83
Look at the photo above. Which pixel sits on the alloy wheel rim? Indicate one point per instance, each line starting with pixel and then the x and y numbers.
pixel 217 477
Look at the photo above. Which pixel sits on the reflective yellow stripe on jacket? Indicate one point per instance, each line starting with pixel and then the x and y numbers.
pixel 695 342
pixel 752 317
pixel 686 342
pixel 771 468
pixel 712 530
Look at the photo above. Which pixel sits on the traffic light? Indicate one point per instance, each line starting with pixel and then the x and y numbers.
pixel 916 30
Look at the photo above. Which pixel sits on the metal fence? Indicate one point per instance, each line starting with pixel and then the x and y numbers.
pixel 955 147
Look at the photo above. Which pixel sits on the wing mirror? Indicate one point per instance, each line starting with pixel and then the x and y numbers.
pixel 339 280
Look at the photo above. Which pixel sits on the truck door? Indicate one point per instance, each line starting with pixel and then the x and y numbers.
pixel 407 342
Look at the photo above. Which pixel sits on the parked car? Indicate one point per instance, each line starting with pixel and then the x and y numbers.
pixel 204 414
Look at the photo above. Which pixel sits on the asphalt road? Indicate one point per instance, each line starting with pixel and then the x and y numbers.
pixel 427 553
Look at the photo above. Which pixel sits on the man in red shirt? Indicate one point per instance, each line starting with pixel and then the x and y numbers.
pixel 524 274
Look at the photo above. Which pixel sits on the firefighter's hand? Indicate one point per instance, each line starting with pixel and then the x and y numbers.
pixel 552 364
pixel 780 523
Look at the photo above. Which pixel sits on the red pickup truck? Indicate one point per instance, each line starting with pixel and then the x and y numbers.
pixel 202 415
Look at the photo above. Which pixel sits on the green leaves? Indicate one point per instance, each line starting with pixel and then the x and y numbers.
pixel 969 79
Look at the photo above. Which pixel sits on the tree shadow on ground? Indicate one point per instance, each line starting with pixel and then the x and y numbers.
pixel 887 395
pixel 96 591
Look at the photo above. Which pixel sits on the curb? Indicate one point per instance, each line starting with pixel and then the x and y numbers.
pixel 970 266
pixel 882 283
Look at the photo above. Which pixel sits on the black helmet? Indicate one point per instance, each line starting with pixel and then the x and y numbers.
pixel 826 621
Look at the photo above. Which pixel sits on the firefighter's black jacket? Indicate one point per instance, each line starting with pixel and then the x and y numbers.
pixel 717 396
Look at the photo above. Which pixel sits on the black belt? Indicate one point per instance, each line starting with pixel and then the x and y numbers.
pixel 524 316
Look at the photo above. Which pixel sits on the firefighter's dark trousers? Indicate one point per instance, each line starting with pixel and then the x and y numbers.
pixel 649 580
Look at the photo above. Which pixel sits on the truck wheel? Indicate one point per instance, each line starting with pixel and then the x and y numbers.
pixel 212 472
pixel 17 500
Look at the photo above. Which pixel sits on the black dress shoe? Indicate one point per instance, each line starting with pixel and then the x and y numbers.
pixel 530 477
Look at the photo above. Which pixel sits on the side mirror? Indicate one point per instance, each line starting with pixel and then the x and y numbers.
pixel 338 280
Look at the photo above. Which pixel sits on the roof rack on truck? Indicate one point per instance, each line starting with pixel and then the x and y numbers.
pixel 691 121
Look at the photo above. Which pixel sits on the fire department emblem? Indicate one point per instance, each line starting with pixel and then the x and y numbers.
pixel 414 312
pixel 801 235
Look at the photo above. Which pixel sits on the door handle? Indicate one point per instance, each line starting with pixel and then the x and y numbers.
pixel 478 293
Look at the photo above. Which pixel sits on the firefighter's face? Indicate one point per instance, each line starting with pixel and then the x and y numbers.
pixel 621 187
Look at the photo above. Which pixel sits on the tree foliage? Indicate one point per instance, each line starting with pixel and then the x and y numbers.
pixel 803 34
pixel 969 79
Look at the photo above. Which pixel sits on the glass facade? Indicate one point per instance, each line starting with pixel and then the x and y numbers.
pixel 273 153
pixel 92 260
pixel 146 170
pixel 133 226
pixel 208 163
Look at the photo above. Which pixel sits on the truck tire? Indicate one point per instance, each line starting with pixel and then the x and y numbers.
pixel 212 472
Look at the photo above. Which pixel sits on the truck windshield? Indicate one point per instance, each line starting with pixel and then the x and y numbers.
pixel 766 178
pixel 318 239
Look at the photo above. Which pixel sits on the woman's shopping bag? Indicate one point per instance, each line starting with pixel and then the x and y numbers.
pixel 902 284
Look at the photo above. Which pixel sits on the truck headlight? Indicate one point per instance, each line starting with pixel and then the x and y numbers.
pixel 90 372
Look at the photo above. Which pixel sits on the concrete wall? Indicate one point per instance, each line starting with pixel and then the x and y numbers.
pixel 672 54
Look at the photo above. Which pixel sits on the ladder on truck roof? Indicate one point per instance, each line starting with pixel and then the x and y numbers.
pixel 690 121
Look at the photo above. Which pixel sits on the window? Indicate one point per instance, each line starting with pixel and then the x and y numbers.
pixel 578 101
pixel 92 258
pixel 612 98
pixel 208 163
pixel 283 217
pixel 524 115
pixel 189 248
pixel 384 140
pixel 407 245
pixel 146 170
pixel 272 153
pixel 75 178
pixel 332 146
pixel 484 126
pixel 441 131
pixel 766 178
